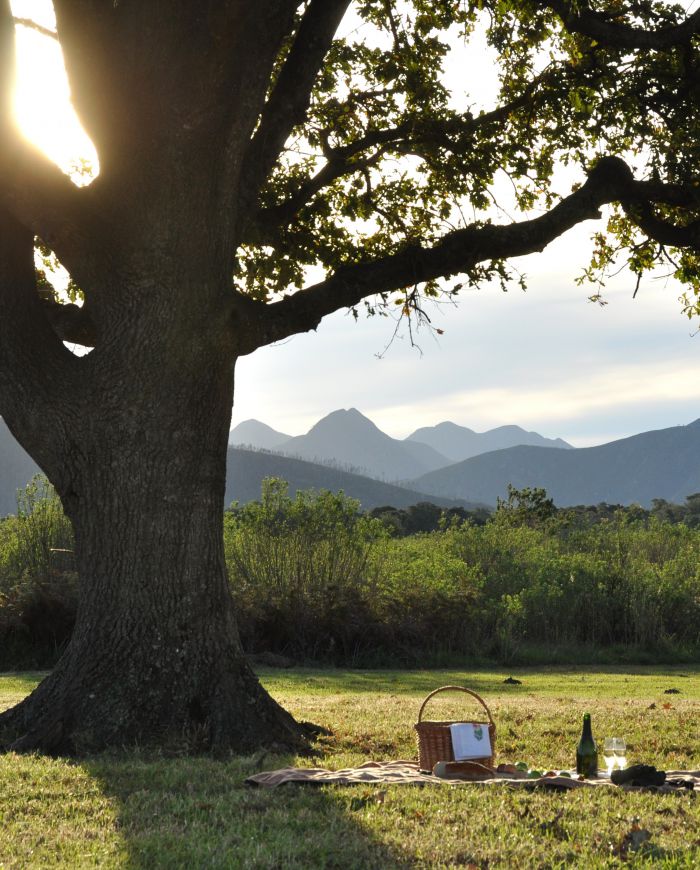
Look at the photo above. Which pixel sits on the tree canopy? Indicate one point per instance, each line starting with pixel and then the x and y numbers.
pixel 363 164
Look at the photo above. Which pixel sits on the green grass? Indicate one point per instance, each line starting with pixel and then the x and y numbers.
pixel 135 811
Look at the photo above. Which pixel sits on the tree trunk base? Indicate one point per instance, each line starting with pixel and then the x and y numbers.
pixel 80 713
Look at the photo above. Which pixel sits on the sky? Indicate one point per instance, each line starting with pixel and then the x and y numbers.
pixel 548 359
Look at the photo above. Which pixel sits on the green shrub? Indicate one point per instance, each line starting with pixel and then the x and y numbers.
pixel 38 584
pixel 301 575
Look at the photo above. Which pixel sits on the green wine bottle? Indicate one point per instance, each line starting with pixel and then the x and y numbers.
pixel 586 751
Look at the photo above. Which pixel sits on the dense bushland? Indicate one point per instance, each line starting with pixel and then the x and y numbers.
pixel 315 579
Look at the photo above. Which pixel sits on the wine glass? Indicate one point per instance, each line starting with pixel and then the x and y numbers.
pixel 609 747
pixel 620 752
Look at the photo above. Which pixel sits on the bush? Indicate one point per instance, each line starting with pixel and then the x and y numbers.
pixel 38 584
pixel 301 575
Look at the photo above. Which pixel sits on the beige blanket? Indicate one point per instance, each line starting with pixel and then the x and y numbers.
pixel 407 773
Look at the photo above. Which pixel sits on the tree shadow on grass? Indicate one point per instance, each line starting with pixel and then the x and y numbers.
pixel 197 812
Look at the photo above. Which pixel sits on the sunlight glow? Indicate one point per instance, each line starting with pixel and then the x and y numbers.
pixel 42 96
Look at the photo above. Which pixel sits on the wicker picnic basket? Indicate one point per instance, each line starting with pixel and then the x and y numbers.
pixel 435 738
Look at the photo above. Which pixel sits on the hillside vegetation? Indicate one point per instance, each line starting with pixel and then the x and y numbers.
pixel 316 580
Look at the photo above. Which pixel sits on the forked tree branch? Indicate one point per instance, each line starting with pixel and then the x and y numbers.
pixel 287 105
pixel 409 137
pixel 32 188
pixel 580 18
pixel 71 323
pixel 611 180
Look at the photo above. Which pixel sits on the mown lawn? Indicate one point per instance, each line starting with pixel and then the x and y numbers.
pixel 136 811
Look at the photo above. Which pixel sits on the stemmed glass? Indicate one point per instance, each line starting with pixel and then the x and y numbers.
pixel 620 752
pixel 609 753
pixel 615 753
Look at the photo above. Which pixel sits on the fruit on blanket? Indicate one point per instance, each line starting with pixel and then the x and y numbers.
pixel 522 765
pixel 535 774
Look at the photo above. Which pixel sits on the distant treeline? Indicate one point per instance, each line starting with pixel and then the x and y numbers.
pixel 529 504
pixel 315 579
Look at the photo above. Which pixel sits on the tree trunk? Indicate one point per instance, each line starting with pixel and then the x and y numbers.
pixel 155 656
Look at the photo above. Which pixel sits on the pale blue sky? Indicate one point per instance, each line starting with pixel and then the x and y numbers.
pixel 548 360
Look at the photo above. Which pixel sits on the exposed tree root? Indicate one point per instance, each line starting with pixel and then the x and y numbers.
pixel 64 717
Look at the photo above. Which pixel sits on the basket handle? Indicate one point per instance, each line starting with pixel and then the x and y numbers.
pixel 456 689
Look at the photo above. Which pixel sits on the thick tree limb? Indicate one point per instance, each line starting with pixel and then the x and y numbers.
pixel 687 236
pixel 289 100
pixel 32 188
pixel 610 181
pixel 580 18
pixel 71 323
pixel 43 198
pixel 37 374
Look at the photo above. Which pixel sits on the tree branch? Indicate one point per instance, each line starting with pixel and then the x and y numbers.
pixel 687 236
pixel 407 138
pixel 35 367
pixel 32 188
pixel 579 18
pixel 33 25
pixel 287 105
pixel 43 198
pixel 611 180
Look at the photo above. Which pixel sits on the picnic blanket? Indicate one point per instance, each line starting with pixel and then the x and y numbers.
pixel 408 773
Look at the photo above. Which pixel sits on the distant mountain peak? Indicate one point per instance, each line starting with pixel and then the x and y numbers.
pixel 256 434
pixel 459 443
pixel 347 417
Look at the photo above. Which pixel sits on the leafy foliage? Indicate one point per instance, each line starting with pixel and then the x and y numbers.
pixel 389 157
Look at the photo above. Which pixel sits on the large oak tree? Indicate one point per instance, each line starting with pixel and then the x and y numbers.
pixel 243 146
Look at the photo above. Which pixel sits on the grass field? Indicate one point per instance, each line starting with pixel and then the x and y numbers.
pixel 136 811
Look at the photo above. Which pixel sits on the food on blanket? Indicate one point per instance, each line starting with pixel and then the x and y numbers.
pixel 565 773
pixel 535 774
pixel 587 751
pixel 508 768
pixel 522 765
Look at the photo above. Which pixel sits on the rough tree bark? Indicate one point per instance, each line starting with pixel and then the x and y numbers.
pixel 134 435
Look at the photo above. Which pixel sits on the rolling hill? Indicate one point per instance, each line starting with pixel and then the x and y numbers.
pixel 458 442
pixel 247 468
pixel 659 464
pixel 253 433
pixel 16 470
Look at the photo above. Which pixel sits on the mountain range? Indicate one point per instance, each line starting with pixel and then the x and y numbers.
pixel 638 469
pixel 659 464
pixel 246 470
pixel 348 438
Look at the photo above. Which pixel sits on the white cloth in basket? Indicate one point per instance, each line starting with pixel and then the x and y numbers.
pixel 470 740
